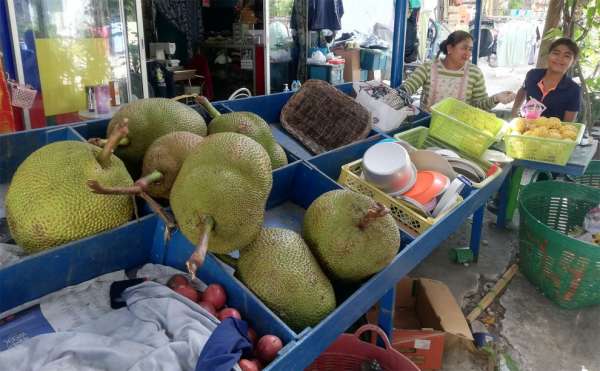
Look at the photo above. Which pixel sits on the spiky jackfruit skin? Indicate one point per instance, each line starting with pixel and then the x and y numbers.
pixel 150 119
pixel 253 126
pixel 167 155
pixel 278 157
pixel 227 177
pixel 48 202
pixel 280 269
pixel 345 251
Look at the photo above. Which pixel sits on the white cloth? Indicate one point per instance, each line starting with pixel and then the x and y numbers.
pixel 158 330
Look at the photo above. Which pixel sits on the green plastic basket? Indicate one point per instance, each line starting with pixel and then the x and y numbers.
pixel 461 125
pixel 419 138
pixel 591 177
pixel 552 151
pixel 566 270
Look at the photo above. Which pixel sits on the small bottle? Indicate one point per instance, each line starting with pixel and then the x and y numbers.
pixel 285 88
pixel 296 85
pixel 91 100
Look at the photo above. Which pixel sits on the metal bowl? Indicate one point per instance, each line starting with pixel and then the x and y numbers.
pixel 388 167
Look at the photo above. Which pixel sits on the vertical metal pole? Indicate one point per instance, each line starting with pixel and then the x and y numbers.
pixel 476 229
pixel 17 50
pixel 265 41
pixel 477 29
pixel 126 47
pixel 400 10
pixel 142 45
pixel 387 305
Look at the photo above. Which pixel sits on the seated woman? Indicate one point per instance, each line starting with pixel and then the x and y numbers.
pixel 454 76
pixel 551 86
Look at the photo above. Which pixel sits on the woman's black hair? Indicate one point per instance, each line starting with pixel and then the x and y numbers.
pixel 454 38
pixel 570 44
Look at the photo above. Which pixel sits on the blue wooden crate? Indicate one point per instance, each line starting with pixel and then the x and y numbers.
pixel 269 108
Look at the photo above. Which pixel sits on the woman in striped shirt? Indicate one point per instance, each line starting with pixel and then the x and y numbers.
pixel 454 76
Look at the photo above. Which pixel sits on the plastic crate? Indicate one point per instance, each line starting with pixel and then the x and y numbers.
pixel 372 59
pixel 591 177
pixel 332 73
pixel 565 269
pixel 419 138
pixel 408 219
pixel 552 151
pixel 452 122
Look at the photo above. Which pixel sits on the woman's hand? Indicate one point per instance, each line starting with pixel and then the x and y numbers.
pixel 504 97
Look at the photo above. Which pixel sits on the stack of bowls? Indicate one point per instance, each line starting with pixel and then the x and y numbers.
pixel 388 167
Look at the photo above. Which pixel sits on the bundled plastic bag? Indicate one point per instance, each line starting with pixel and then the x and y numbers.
pixel 388 106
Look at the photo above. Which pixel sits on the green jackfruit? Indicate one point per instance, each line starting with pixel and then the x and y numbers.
pixel 221 193
pixel 49 204
pixel 280 269
pixel 248 124
pixel 166 155
pixel 351 235
pixel 150 119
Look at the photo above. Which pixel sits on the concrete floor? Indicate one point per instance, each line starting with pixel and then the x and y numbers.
pixel 538 335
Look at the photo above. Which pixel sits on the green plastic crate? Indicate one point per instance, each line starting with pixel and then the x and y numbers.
pixel 552 151
pixel 565 269
pixel 457 123
pixel 591 177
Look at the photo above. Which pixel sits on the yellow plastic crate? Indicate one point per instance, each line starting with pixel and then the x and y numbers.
pixel 456 123
pixel 407 218
pixel 419 138
pixel 552 151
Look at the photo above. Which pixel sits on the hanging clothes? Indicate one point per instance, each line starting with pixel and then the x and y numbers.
pixel 186 16
pixel 325 15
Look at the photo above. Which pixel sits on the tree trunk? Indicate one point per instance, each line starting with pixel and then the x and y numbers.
pixel 553 16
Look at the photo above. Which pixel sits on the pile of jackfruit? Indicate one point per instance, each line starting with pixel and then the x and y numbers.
pixel 544 127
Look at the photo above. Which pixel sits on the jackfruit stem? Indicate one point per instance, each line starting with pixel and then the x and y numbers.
pixel 99 142
pixel 166 217
pixel 212 111
pixel 196 260
pixel 373 213
pixel 137 188
pixel 115 137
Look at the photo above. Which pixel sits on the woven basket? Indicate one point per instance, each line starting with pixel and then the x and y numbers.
pixel 565 269
pixel 323 118
pixel 349 352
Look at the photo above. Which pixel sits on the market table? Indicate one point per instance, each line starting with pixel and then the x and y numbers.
pixel 509 192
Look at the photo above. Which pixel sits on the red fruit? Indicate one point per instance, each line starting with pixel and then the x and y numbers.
pixel 209 307
pixel 250 365
pixel 178 280
pixel 216 295
pixel 200 298
pixel 229 312
pixel 187 291
pixel 267 347
pixel 252 336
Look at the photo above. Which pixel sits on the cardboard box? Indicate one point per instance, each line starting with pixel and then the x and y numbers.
pixel 352 63
pixel 427 318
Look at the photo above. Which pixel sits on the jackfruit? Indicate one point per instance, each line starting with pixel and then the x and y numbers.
pixel 248 124
pixel 280 269
pixel 166 155
pixel 221 193
pixel 352 236
pixel 150 119
pixel 48 203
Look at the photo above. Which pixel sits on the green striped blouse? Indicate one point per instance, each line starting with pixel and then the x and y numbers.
pixel 475 94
